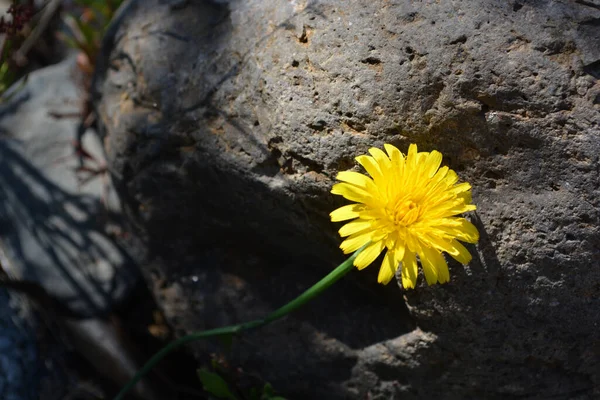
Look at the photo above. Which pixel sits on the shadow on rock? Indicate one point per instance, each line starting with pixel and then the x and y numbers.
pixel 58 239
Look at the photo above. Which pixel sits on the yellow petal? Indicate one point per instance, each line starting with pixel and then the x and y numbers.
pixel 411 160
pixel 434 265
pixel 371 166
pixel 413 175
pixel 356 179
pixel 346 212
pixel 370 213
pixel 463 208
pixel 380 231
pixel 381 158
pixel 390 240
pixel 460 254
pixel 393 152
pixel 354 227
pixel 440 183
pixel 461 187
pixel 399 250
pixel 448 208
pixel 355 242
pixel 412 150
pixel 432 163
pixel 451 178
pixel 440 174
pixel 397 159
pixel 369 254
pixel 461 229
pixel 388 268
pixel 452 247
pixel 409 270
pixel 466 198
pixel 351 192
pixel 411 242
pixel 434 186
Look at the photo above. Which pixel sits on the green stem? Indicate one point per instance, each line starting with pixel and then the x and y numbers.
pixel 312 292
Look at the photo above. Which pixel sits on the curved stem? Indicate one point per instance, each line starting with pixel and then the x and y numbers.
pixel 309 294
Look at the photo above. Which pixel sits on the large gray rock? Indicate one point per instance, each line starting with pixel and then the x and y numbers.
pixel 226 123
pixel 54 229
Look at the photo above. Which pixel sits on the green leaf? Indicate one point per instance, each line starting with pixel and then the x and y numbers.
pixel 269 394
pixel 268 390
pixel 87 31
pixel 214 384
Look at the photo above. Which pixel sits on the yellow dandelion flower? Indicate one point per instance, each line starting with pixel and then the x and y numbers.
pixel 409 206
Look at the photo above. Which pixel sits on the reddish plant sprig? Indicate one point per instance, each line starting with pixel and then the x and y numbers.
pixel 21 15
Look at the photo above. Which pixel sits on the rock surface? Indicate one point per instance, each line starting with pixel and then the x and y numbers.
pixel 19 363
pixel 226 123
pixel 55 229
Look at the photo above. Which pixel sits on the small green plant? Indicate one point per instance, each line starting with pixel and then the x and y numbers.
pixel 8 72
pixel 266 393
pixel 87 27
pixel 213 382
pixel 87 22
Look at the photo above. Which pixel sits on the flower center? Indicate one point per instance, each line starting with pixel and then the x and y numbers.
pixel 405 212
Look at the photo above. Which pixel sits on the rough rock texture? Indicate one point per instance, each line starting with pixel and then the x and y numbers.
pixel 225 124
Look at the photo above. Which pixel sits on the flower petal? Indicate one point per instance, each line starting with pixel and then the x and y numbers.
pixel 393 153
pixel 399 249
pixel 388 268
pixel 466 197
pixel 460 253
pixel 370 213
pixel 371 166
pixel 355 242
pixel 461 229
pixel 411 242
pixel 448 208
pixel 355 227
pixel 356 179
pixel 382 159
pixel 397 159
pixel 369 254
pixel 461 187
pixel 434 265
pixel 440 174
pixel 409 270
pixel 411 160
pixel 432 163
pixel 390 240
pixel 451 178
pixel 434 186
pixel 352 192
pixel 346 212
